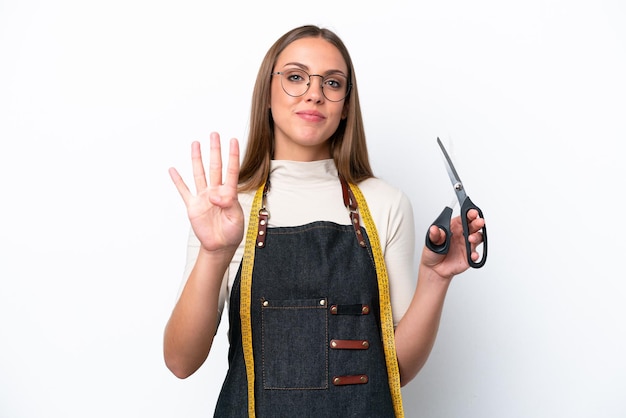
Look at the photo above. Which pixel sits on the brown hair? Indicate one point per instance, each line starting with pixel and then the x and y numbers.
pixel 347 145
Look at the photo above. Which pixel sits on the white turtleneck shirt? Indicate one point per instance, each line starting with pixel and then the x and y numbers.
pixel 305 192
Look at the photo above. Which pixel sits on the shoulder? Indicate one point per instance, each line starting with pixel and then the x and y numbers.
pixel 391 211
pixel 381 195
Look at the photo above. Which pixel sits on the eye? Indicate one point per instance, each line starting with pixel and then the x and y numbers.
pixel 335 82
pixel 295 76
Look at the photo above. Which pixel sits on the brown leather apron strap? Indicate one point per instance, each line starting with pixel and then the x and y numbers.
pixel 359 379
pixel 349 344
pixel 348 200
pixel 264 217
pixel 351 204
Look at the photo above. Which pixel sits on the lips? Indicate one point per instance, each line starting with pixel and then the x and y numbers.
pixel 311 115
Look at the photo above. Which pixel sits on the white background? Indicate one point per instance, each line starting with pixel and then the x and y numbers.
pixel 99 98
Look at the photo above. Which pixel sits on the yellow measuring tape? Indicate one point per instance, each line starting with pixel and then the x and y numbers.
pixel 386 317
pixel 246 295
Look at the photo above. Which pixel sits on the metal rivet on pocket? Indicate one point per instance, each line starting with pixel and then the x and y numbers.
pixel 365 344
pixel 365 310
pixel 322 302
pixel 266 303
pixel 336 381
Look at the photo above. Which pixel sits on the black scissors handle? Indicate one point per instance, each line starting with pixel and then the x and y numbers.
pixel 443 222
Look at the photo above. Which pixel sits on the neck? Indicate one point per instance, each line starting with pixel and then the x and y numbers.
pixel 304 154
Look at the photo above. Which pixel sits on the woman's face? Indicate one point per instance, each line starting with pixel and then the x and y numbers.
pixel 303 124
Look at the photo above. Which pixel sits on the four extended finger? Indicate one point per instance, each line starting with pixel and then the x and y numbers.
pixel 198 167
pixel 215 161
pixel 232 170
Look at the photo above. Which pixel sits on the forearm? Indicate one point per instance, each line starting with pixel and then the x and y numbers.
pixel 192 325
pixel 417 330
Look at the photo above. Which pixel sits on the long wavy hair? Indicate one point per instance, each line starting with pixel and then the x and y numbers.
pixel 347 145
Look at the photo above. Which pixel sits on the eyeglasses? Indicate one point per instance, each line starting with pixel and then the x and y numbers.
pixel 296 82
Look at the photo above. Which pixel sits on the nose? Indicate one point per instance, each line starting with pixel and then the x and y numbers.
pixel 315 91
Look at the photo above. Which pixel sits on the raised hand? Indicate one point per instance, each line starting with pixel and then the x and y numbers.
pixel 455 261
pixel 214 211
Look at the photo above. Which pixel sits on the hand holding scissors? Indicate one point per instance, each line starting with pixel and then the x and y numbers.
pixel 443 221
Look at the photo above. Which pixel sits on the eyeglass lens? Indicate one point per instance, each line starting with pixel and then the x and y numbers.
pixel 296 82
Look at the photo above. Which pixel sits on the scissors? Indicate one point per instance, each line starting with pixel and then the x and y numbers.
pixel 443 221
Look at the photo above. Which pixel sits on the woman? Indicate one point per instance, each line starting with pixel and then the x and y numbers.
pixel 323 319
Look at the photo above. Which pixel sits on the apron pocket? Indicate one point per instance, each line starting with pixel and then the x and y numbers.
pixel 295 349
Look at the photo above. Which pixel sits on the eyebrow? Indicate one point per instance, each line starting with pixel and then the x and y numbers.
pixel 305 67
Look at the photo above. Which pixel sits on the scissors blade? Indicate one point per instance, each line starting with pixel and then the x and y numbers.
pixel 457 184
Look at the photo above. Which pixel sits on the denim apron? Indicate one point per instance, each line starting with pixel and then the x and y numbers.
pixel 316 339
